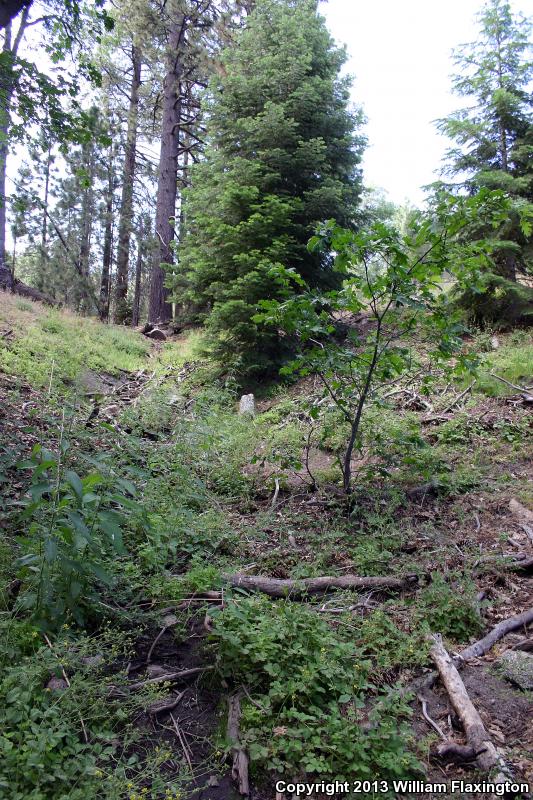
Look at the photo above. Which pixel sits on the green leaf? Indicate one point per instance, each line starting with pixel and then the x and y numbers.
pixel 50 549
pixel 109 523
pixel 74 481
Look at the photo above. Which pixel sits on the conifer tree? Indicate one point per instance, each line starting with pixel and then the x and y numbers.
pixel 283 154
pixel 494 134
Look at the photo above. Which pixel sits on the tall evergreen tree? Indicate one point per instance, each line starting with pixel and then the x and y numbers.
pixel 283 153
pixel 494 135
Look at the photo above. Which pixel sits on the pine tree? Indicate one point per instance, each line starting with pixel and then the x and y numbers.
pixel 283 154
pixel 494 136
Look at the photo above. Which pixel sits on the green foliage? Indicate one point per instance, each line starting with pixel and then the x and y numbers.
pixel 498 301
pixel 381 640
pixel 493 139
pixel 448 607
pixel 393 277
pixel 43 751
pixel 71 526
pixel 309 685
pixel 513 361
pixel 282 154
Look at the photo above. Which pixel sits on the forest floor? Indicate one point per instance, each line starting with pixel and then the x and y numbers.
pixel 132 489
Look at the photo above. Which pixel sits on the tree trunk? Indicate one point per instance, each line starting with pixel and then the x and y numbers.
pixel 44 223
pixel 135 313
pixel 7 87
pixel 504 155
pixel 159 307
pixel 126 205
pixel 87 214
pixel 9 10
pixel 108 242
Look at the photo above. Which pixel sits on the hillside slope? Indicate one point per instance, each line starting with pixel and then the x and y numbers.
pixel 132 493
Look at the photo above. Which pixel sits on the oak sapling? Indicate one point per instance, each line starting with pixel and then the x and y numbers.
pixel 389 317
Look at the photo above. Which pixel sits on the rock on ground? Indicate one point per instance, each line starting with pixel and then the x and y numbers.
pixel 518 668
pixel 247 404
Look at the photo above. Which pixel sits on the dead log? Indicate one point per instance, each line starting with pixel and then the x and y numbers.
pixel 519 562
pixel 475 731
pixel 295 589
pixel 239 770
pixel 504 627
pixel 520 565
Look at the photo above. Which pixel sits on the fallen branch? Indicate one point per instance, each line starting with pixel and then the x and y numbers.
pixel 458 398
pixel 278 587
pixel 508 383
pixel 164 705
pixel 477 649
pixel 169 677
pixel 428 719
pixel 476 735
pixel 504 627
pixel 518 562
pixel 182 741
pixel 275 497
pixel 239 770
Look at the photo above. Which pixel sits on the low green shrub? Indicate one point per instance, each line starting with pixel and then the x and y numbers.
pixel 71 527
pixel 311 690
pixel 448 607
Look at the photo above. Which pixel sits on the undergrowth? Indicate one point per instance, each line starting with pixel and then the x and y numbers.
pixel 149 508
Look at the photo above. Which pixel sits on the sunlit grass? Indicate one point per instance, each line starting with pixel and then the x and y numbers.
pixel 47 343
pixel 513 361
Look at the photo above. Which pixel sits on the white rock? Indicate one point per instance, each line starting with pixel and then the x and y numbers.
pixel 247 405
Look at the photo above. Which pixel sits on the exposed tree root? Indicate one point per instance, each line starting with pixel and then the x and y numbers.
pixel 277 587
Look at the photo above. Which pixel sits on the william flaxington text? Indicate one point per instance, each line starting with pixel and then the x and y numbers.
pixel 339 788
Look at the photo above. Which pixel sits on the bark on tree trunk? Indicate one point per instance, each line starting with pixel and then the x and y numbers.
pixel 108 242
pixel 135 314
pixel 159 308
pixel 126 205
pixel 87 213
pixel 9 10
pixel 7 87
pixel 42 279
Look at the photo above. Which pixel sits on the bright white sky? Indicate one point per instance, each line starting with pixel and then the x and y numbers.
pixel 400 54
